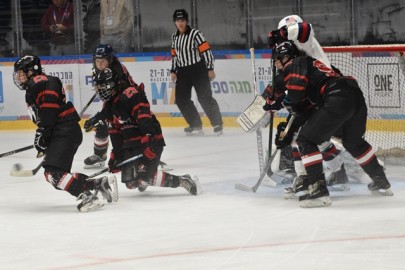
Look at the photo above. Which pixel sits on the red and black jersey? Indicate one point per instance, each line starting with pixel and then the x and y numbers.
pixel 121 74
pixel 46 96
pixel 305 78
pixel 131 118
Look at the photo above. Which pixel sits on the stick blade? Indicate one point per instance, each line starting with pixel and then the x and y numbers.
pixel 17 171
pixel 243 187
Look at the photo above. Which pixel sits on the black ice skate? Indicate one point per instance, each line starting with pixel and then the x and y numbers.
pixel 190 184
pixel 194 131
pixel 108 187
pixel 94 161
pixel 380 186
pixel 317 196
pixel 89 202
pixel 218 130
pixel 338 181
pixel 299 187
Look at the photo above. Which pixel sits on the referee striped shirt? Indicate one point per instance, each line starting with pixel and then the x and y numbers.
pixel 189 48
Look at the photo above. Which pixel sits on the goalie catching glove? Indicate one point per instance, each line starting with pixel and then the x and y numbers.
pixel 277 36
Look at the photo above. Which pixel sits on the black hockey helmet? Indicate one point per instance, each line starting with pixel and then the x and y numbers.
pixel 180 14
pixel 104 51
pixel 104 84
pixel 286 48
pixel 30 65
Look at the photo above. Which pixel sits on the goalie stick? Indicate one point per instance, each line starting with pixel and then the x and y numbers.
pixel 263 173
pixel 258 131
pixel 17 169
pixel 268 165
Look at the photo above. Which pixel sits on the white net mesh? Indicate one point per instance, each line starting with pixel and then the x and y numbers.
pixel 380 71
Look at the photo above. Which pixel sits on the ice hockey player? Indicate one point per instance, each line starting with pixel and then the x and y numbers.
pixel 293 28
pixel 310 83
pixel 58 135
pixel 103 58
pixel 135 130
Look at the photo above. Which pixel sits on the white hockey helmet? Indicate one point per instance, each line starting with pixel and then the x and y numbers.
pixel 286 21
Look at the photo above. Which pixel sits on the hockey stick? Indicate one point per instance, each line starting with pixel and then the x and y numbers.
pixel 273 75
pixel 87 105
pixel 268 164
pixel 17 169
pixel 258 131
pixel 32 146
pixel 17 151
pixel 118 165
pixel 263 173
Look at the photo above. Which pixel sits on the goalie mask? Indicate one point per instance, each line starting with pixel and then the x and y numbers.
pixel 24 68
pixel 105 84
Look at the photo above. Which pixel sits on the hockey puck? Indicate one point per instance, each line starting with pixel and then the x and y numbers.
pixel 17 167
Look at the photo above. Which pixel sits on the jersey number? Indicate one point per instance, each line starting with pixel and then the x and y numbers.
pixel 130 91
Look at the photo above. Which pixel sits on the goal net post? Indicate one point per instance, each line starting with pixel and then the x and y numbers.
pixel 380 72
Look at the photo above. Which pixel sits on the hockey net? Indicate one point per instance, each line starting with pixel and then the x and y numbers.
pixel 380 72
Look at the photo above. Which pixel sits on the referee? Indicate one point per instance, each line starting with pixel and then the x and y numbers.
pixel 193 65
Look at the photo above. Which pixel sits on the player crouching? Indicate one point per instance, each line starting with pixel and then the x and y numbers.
pixel 135 130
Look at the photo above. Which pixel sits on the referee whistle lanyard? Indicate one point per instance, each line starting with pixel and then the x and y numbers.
pixel 64 13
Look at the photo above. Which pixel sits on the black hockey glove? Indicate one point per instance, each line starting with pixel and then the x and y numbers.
pixel 93 122
pixel 283 140
pixel 116 157
pixel 41 140
pixel 148 144
pixel 277 36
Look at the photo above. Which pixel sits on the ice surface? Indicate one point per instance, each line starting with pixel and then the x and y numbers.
pixel 222 228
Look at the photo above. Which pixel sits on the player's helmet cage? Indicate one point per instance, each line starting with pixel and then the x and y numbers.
pixel 104 51
pixel 30 65
pixel 285 49
pixel 180 14
pixel 104 84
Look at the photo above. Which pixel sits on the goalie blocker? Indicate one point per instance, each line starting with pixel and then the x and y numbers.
pixel 254 117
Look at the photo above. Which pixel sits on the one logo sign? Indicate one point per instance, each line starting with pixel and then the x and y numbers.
pixel 383 85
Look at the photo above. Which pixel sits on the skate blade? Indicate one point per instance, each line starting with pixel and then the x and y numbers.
pixel 290 196
pixel 318 202
pixel 90 207
pixel 342 187
pixel 195 134
pixel 95 165
pixel 382 192
pixel 112 181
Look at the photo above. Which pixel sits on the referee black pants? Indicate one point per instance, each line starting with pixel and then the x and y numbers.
pixel 196 75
